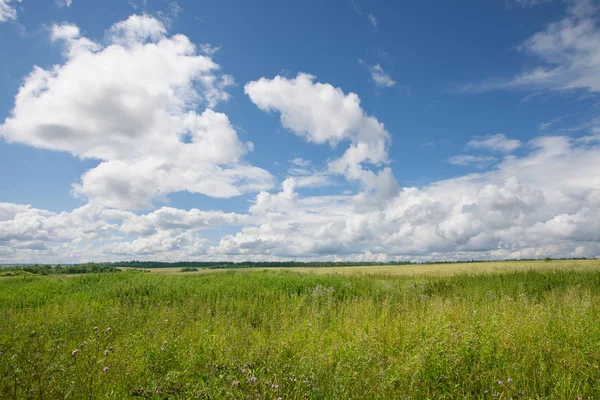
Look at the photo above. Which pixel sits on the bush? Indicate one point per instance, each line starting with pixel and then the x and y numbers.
pixel 189 269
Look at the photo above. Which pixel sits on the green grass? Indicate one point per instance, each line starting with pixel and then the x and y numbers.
pixel 365 336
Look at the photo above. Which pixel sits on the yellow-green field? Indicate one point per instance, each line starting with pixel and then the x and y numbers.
pixel 518 330
pixel 421 269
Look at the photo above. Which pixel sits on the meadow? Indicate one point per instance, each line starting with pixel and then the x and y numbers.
pixel 520 331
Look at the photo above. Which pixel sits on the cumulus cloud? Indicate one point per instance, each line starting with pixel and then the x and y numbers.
pixel 321 113
pixel 131 103
pixel 542 204
pixel 8 10
pixel 378 75
pixel 498 142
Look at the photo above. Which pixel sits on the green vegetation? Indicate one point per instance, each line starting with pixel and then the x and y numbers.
pixel 280 264
pixel 189 269
pixel 20 270
pixel 280 334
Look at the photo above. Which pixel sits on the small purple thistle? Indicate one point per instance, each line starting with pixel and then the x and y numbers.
pixel 509 380
pixel 254 379
pixel 108 329
pixel 74 352
pixel 105 369
pixel 500 382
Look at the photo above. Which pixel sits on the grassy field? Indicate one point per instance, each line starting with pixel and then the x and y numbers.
pixel 419 269
pixel 528 331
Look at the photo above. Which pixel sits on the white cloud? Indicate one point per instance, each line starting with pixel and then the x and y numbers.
pixel 468 160
pixel 305 175
pixel 64 3
pixel 64 32
pixel 567 51
pixel 8 11
pixel 370 17
pixel 208 49
pixel 532 206
pixel 372 20
pixel 548 124
pixel 526 3
pixel 379 76
pixel 498 142
pixel 131 103
pixel 545 203
pixel 321 113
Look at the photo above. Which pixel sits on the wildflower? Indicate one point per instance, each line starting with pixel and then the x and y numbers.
pixel 95 328
pixel 108 329
pixel 162 349
pixel 254 379
pixel 279 398
pixel 105 369
pixel 274 387
pixel 106 352
pixel 509 380
pixel 486 391
pixel 236 383
pixel 74 352
pixel 500 382
pixel 165 342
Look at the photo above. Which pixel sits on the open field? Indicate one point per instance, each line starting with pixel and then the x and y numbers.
pixel 529 332
pixel 419 269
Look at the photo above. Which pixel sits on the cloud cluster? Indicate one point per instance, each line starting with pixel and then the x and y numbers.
pixel 321 113
pixel 131 103
pixel 532 206
pixel 545 203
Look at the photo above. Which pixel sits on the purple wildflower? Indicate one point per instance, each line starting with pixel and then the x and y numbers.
pixel 500 382
pixel 108 329
pixel 254 379
pixel 509 380
pixel 74 352
pixel 105 369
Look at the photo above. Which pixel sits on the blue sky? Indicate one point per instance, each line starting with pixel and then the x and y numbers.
pixel 338 130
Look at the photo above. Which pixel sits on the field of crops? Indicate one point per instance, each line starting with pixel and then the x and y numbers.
pixel 508 332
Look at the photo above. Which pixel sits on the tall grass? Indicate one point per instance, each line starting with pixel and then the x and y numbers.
pixel 267 335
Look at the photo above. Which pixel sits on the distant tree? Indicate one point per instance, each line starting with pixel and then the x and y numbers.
pixel 547 259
